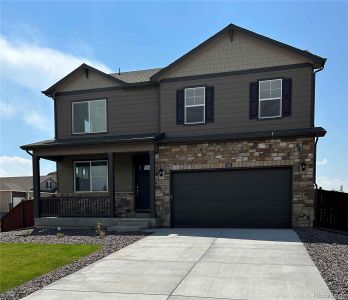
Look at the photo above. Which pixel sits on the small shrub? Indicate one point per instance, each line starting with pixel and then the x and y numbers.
pixel 26 233
pixel 102 234
pixel 60 234
pixel 100 230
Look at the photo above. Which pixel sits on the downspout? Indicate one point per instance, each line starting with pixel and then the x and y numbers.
pixel 312 125
pixel 315 181
pixel 31 154
pixel 313 94
pixel 315 162
pixel 315 146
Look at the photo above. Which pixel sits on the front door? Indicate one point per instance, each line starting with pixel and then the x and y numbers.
pixel 142 182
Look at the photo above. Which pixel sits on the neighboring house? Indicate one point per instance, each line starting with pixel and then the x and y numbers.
pixel 15 189
pixel 222 137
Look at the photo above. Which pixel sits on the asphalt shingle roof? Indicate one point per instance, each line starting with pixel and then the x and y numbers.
pixel 136 76
pixel 95 140
pixel 21 183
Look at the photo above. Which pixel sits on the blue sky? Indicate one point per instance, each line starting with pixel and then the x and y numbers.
pixel 42 41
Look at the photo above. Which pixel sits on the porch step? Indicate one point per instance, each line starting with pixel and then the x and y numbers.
pixel 127 228
pixel 132 224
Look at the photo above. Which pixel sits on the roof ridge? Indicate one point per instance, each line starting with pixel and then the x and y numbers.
pixel 135 71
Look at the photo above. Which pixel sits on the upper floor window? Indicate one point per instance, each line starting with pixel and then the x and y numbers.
pixel 89 116
pixel 195 105
pixel 270 98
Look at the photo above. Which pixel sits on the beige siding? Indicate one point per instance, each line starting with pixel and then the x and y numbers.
pixel 243 53
pixel 79 81
pixel 232 104
pixel 123 172
pixel 5 200
pixel 129 111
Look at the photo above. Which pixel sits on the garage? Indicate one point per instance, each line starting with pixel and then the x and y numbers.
pixel 254 198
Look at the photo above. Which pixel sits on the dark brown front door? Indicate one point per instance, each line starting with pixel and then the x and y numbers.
pixel 142 182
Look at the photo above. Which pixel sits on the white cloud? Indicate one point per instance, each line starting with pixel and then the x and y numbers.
pixel 29 115
pixel 19 166
pixel 37 67
pixel 323 162
pixel 15 166
pixel 33 118
pixel 7 110
pixel 330 183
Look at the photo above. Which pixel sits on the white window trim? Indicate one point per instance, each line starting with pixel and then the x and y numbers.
pixel 273 98
pixel 90 177
pixel 89 116
pixel 195 105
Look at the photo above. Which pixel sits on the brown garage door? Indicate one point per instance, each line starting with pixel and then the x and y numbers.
pixel 254 198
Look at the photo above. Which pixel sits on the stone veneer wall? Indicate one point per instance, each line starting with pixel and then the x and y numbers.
pixel 257 153
pixel 124 204
pixel 124 201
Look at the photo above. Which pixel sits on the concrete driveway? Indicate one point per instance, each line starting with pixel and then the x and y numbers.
pixel 198 264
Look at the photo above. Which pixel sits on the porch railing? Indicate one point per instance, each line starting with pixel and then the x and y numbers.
pixel 76 206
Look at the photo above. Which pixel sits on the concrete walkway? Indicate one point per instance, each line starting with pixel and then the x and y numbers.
pixel 198 264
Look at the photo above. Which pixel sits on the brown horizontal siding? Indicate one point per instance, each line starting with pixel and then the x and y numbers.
pixel 232 104
pixel 132 111
pixel 123 172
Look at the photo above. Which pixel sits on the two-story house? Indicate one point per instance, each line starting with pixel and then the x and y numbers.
pixel 222 137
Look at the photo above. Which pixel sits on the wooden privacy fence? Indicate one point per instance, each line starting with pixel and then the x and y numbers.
pixel 21 216
pixel 332 209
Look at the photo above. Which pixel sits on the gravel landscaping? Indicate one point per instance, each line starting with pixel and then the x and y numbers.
pixel 110 243
pixel 329 251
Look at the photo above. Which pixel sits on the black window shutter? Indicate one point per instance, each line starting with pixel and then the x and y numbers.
pixel 286 100
pixel 209 104
pixel 254 100
pixel 180 107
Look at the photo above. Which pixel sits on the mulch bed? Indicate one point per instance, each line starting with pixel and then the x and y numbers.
pixel 329 252
pixel 112 242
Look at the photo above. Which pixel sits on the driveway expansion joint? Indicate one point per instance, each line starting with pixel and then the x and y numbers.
pixel 189 271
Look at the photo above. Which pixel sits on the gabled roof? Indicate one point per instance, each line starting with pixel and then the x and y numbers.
pixel 84 66
pixel 131 78
pixel 136 76
pixel 22 183
pixel 317 60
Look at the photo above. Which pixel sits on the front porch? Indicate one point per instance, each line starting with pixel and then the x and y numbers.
pixel 94 186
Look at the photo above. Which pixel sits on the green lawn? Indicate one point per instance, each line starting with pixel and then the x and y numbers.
pixel 21 262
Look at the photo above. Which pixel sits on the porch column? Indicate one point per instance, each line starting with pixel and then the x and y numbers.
pixel 152 184
pixel 111 183
pixel 36 185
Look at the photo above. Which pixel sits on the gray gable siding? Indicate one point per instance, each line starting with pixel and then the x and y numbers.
pixel 243 53
pixel 129 111
pixel 79 81
pixel 232 104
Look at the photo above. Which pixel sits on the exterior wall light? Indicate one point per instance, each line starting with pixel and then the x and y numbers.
pixel 303 166
pixel 161 173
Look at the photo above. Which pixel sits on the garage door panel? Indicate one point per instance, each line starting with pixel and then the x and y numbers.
pixel 232 198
